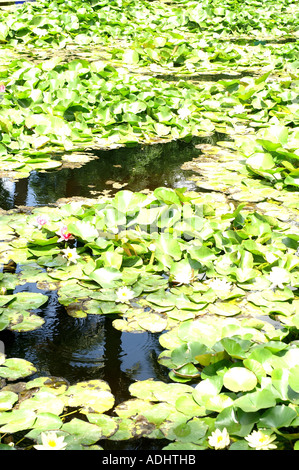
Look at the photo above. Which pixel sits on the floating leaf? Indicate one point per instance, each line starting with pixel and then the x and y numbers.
pixel 152 322
pixel 239 379
pixel 44 402
pixel 183 431
pixel 17 420
pixel 83 432
pixel 91 396
pixel 106 423
pixel 187 405
pixel 281 416
pixel 293 378
pixel 255 401
pixel 7 400
pixel 106 277
pixel 13 369
pixel 225 309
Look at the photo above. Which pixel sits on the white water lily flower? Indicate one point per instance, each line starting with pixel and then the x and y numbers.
pixel 184 276
pixel 152 247
pixel 50 441
pixel 190 66
pixel 219 439
pixel 40 32
pixel 219 284
pixel 202 43
pixel 239 109
pixel 71 255
pixel 184 112
pixel 278 277
pixel 124 294
pixel 261 441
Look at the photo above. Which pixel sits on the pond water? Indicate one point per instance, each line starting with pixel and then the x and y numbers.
pixel 135 169
pixel 88 348
pixel 77 349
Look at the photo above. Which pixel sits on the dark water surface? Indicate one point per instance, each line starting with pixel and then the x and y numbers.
pixel 88 348
pixel 136 168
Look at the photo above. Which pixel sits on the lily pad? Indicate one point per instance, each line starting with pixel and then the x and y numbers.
pixel 239 379
pixel 7 400
pixel 152 322
pixel 225 309
pixel 106 423
pixel 93 396
pixel 83 432
pixel 13 369
pixel 17 420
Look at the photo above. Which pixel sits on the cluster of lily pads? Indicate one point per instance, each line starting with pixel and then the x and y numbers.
pixel 215 278
pixel 56 108
pixel 69 106
pixel 109 96
pixel 208 279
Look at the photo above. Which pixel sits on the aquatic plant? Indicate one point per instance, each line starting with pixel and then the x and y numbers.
pixel 50 441
pixel 212 332
pixel 214 276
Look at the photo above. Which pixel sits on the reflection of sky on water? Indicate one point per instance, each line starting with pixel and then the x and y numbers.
pixel 7 190
pixel 139 355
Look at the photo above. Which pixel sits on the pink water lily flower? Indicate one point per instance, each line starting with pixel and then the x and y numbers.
pixel 63 233
pixel 2 88
pixel 41 220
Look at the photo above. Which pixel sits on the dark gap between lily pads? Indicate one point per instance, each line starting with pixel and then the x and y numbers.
pixel 138 168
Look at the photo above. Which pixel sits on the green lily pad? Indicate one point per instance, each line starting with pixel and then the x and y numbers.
pixel 183 431
pixel 152 322
pixel 7 400
pixel 17 420
pixel 93 396
pixel 24 321
pixel 239 379
pixel 83 432
pixel 125 429
pixel 225 309
pixel 44 422
pixel 56 385
pixel 188 406
pixel 44 402
pixel 13 369
pixel 106 277
pixel 106 423
pixel 28 300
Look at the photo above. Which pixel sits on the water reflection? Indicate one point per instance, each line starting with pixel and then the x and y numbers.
pixel 85 348
pixel 135 169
